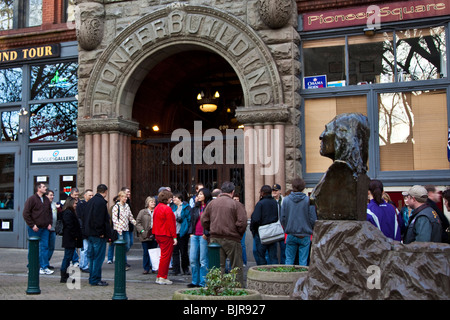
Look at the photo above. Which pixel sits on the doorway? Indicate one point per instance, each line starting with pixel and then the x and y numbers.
pixel 167 100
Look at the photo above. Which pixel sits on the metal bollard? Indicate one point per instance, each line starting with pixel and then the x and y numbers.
pixel 214 255
pixel 33 266
pixel 119 271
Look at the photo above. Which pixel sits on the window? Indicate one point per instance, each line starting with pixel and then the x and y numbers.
pixel 413 130
pixel 318 112
pixel 418 54
pixel 7 181
pixel 6 14
pixel 15 14
pixel 421 54
pixel 53 122
pixel 10 125
pixel 10 85
pixel 371 59
pixel 54 81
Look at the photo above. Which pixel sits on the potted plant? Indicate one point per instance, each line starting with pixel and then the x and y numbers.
pixel 275 281
pixel 218 287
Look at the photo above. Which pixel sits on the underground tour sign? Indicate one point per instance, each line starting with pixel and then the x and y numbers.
pixel 315 82
pixel 30 53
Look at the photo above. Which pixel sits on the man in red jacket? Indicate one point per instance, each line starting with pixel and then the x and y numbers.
pixel 226 221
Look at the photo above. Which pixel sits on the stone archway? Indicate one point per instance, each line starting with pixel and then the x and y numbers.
pixel 105 123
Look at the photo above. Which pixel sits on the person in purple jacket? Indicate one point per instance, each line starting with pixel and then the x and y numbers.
pixel 382 214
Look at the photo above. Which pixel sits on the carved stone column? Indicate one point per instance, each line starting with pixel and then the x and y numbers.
pixel 107 152
pixel 264 149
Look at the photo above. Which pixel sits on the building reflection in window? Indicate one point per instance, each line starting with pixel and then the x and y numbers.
pixel 10 125
pixel 413 130
pixel 10 85
pixel 53 122
pixel 6 14
pixel 54 81
pixel 6 181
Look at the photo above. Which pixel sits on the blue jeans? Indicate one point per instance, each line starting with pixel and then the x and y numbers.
pixel 96 255
pixel 259 251
pixel 43 234
pixel 51 244
pixel 198 257
pixel 300 245
pixel 68 256
pixel 244 250
pixel 84 262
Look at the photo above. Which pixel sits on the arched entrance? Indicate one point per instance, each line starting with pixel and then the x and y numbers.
pixel 165 102
pixel 106 120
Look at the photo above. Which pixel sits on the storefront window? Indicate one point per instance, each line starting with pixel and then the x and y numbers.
pixel 53 122
pixel 6 181
pixel 324 57
pixel 10 85
pixel 6 14
pixel 371 59
pixel 418 54
pixel 10 125
pixel 54 81
pixel 413 130
pixel 34 13
pixel 318 112
pixel 421 54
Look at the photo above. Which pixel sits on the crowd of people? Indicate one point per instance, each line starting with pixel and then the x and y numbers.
pixel 183 228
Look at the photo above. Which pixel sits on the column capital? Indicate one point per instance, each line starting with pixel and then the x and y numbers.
pixel 275 114
pixel 105 124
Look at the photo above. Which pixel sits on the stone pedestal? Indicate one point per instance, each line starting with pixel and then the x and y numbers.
pixel 354 260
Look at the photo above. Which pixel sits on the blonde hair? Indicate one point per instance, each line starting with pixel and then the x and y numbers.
pixel 148 199
pixel 121 193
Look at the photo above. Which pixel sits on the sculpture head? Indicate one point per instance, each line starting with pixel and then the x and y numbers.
pixel 346 138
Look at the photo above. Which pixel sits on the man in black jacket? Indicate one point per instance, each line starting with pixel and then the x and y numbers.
pixel 97 228
pixel 266 211
pixel 433 198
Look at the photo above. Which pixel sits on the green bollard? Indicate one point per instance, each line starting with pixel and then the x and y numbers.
pixel 214 255
pixel 33 266
pixel 119 271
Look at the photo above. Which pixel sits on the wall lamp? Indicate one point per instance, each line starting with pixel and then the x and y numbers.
pixel 23 112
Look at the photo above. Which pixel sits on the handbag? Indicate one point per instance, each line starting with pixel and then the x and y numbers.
pixel 270 233
pixel 155 255
pixel 59 227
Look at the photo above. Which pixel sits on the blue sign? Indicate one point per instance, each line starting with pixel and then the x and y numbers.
pixel 315 82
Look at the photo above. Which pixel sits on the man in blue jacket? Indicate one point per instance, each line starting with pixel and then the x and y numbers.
pixel 297 218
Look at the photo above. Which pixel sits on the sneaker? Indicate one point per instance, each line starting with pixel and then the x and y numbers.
pixel 109 262
pixel 46 271
pixel 164 281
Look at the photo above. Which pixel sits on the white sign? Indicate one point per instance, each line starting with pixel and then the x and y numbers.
pixel 54 156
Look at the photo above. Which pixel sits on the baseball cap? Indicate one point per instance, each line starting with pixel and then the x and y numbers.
pixel 417 192
pixel 276 187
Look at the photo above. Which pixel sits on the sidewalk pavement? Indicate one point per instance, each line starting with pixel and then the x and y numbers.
pixel 14 280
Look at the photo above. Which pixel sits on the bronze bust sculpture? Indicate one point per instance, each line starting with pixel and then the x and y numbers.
pixel 341 194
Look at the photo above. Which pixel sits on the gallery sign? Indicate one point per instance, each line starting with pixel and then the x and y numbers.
pixel 30 53
pixel 54 156
pixel 384 12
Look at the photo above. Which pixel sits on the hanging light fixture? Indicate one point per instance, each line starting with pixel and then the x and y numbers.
pixel 207 102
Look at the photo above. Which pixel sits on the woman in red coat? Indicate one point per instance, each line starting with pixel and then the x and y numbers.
pixel 165 231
